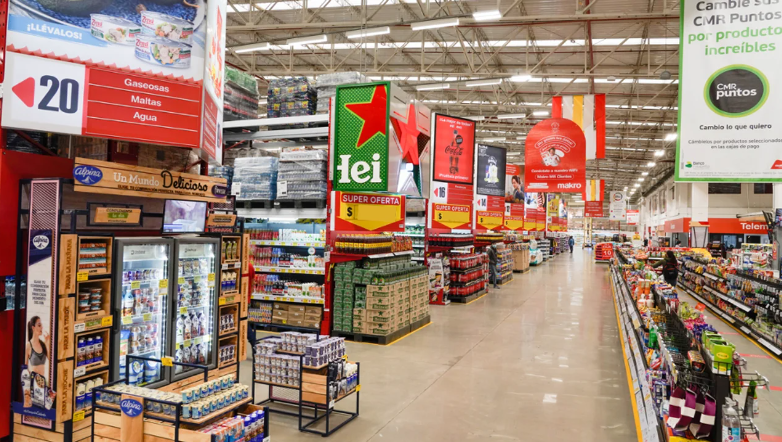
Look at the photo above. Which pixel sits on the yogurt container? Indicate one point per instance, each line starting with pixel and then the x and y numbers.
pixel 114 29
pixel 162 52
pixel 166 26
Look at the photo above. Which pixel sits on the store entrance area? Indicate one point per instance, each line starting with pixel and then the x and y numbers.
pixel 538 359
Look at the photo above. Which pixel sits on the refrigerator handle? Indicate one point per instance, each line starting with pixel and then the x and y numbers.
pixel 116 321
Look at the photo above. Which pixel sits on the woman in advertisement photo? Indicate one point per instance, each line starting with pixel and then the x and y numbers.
pixel 36 353
pixel 516 193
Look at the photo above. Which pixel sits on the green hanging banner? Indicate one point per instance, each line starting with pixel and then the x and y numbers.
pixel 361 134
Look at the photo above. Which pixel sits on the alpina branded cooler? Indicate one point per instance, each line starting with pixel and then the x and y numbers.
pixel 142 292
pixel 194 303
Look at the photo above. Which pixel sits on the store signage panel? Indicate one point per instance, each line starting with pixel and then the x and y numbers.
pixel 514 184
pixel 454 148
pixel 164 40
pixel 95 176
pixel 729 94
pixel 738 226
pixel 617 205
pixel 633 216
pixel 361 137
pixel 490 172
pixel 367 212
pixel 488 220
pixel 451 216
pixel 593 209
pixel 555 157
pixel 514 222
pixel 116 215
pixel 214 79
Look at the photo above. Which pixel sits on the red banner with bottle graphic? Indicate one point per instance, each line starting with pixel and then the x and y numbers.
pixel 367 212
pixel 555 157
pixel 454 149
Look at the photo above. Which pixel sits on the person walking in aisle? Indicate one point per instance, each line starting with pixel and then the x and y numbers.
pixel 670 268
pixel 646 242
pixel 678 243
pixel 571 242
pixel 493 265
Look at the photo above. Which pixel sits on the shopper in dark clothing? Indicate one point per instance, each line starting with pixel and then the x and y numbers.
pixel 571 242
pixel 493 266
pixel 670 268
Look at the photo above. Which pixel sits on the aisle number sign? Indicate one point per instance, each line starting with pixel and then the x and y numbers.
pixel 367 212
pixel 451 216
pixel 488 220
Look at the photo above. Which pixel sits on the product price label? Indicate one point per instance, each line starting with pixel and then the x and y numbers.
pixel 79 372
pixel 166 361
pixel 181 280
pixel 82 276
pixel 182 310
pixel 127 320
pixel 80 327
pixel 108 321
pixel 147 317
pixel 358 388
pixel 489 220
pixel 163 284
pixel 135 284
pixel 452 216
pixel 210 277
pixel 221 301
pixel 197 279
pixel 78 416
pixel 197 340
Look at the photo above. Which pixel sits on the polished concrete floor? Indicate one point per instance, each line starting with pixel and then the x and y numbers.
pixel 538 359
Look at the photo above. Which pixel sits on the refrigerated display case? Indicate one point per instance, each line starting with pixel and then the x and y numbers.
pixel 195 303
pixel 141 297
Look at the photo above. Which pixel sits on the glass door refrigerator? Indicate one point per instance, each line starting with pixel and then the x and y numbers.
pixel 194 318
pixel 142 292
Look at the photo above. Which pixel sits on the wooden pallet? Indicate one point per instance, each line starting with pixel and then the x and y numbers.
pixel 373 339
pixel 466 299
pixel 420 323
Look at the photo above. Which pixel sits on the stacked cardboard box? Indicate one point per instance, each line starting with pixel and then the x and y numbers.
pixel 419 298
pixel 296 315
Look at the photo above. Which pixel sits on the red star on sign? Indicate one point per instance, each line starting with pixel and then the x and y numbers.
pixel 373 114
pixel 408 136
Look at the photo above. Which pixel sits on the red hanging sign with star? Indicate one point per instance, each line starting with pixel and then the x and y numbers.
pixel 408 135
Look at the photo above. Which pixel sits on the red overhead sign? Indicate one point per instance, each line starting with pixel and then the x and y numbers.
pixel 593 209
pixel 555 157
pixel 633 216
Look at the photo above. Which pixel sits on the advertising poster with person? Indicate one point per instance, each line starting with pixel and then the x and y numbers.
pixel 490 173
pixel 514 184
pixel 454 149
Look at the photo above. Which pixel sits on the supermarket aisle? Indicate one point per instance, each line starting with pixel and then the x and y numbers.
pixel 770 420
pixel 538 359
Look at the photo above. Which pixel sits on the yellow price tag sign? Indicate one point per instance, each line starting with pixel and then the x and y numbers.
pixel 182 310
pixel 197 279
pixel 127 320
pixel 181 280
pixel 147 317
pixel 135 284
pixel 167 361
pixel 210 277
pixel 108 321
pixel 370 212
pixel 489 220
pixel 514 222
pixel 358 388
pixel 187 343
pixel 82 276
pixel 78 416
pixel 451 215
pixel 163 284
pixel 221 301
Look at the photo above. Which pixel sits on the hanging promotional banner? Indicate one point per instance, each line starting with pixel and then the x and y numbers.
pixel 360 137
pixel 555 157
pixel 514 185
pixel 617 206
pixel 410 147
pixel 490 171
pixel 454 149
pixel 533 204
pixel 594 190
pixel 552 211
pixel 729 92
pixel 593 209
pixel 451 216
pixel 214 77
pixel 589 112
pixel 488 220
pixel 450 193
pixel 367 212
pixel 633 216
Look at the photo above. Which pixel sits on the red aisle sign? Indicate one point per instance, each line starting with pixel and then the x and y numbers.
pixel 555 157
pixel 593 209
pixel 633 216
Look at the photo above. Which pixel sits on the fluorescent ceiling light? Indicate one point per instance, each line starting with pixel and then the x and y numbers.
pixel 636 185
pixel 509 116
pixel 487 15
pixel 476 118
pixel 641 180
pixel 521 138
pixel 489 140
pixel 307 40
pixel 651 164
pixel 625 188
pixel 659 153
pixel 520 78
pixel 250 48
pixel 483 82
pixel 432 87
pixel 434 24
pixel 645 173
pixel 670 137
pixel 370 32
pixel 540 113
pixel 513 154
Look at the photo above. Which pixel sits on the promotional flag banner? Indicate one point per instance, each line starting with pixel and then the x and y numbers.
pixel 729 92
pixel 554 157
pixel 593 191
pixel 589 112
pixel 617 208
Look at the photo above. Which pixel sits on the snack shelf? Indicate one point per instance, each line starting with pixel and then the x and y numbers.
pixel 299 299
pixel 263 242
pixel 726 298
pixel 296 270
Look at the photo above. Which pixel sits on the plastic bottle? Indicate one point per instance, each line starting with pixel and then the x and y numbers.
pixel 731 427
pixel 751 408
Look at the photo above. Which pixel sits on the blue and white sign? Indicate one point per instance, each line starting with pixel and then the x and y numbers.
pixel 131 407
pixel 87 175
